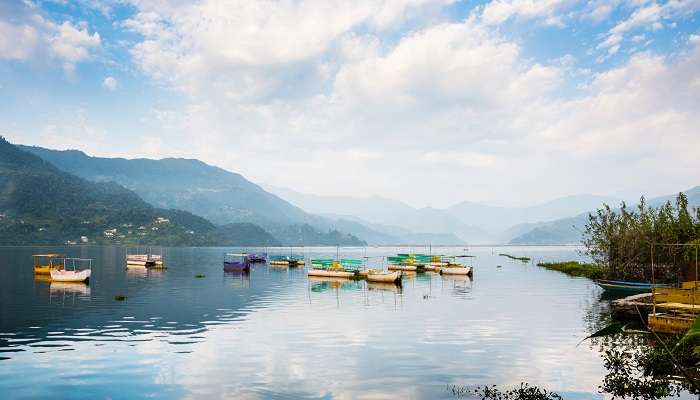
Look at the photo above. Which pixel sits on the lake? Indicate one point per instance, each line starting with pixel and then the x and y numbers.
pixel 275 334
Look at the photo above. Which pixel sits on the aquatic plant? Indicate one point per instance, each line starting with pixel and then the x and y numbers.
pixel 524 392
pixel 575 268
pixel 625 240
pixel 523 259
pixel 645 367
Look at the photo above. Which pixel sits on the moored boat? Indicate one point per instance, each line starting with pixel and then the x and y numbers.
pixel 456 269
pixel 144 257
pixel 334 269
pixel 286 261
pixel 70 271
pixel 401 267
pixel 45 263
pixel 628 286
pixel 383 277
pixel 236 262
pixel 140 260
pixel 257 257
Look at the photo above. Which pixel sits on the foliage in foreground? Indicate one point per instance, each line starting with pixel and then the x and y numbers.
pixel 575 268
pixel 623 240
pixel 524 392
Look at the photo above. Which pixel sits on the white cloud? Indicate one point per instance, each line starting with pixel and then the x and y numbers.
pixel 110 83
pixel 648 15
pixel 17 42
pixel 73 43
pixel 247 50
pixel 499 11
pixel 36 37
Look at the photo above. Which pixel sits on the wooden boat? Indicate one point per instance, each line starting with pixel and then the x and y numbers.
pixel 139 260
pixel 384 277
pixel 286 261
pixel 334 269
pixel 143 257
pixel 331 274
pixel 456 269
pixel 236 262
pixel 400 267
pixel 628 286
pixel 44 263
pixel 70 272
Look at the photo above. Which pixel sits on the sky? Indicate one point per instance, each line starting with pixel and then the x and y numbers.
pixel 432 102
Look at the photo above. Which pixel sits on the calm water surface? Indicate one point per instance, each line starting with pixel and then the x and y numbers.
pixel 276 334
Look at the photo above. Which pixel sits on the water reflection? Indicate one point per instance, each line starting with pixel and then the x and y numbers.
pixel 275 333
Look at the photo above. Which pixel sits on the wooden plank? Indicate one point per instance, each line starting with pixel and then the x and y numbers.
pixel 665 323
pixel 679 306
pixel 667 295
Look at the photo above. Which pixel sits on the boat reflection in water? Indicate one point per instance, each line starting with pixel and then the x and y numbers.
pixel 238 279
pixel 384 287
pixel 68 293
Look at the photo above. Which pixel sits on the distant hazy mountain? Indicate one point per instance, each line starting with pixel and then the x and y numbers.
pixel 221 196
pixel 379 234
pixel 468 221
pixel 40 204
pixel 498 219
pixel 569 230
pixel 398 219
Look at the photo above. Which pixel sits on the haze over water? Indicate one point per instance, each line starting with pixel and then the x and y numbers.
pixel 276 334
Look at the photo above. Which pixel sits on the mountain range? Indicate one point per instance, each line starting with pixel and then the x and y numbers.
pixel 569 230
pixel 293 218
pixel 40 204
pixel 472 222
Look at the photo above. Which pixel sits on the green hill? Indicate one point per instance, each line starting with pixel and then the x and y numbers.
pixel 218 195
pixel 40 204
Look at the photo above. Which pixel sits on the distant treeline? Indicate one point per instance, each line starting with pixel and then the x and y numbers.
pixel 623 241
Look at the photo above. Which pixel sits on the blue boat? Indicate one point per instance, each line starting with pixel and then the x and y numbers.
pixel 257 257
pixel 628 287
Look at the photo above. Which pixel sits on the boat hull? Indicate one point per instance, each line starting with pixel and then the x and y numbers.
pixel 397 267
pixel 235 266
pixel 385 277
pixel 456 270
pixel 331 274
pixel 278 263
pixel 628 287
pixel 70 276
pixel 44 269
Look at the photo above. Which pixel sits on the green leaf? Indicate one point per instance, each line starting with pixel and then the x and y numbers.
pixel 612 329
pixel 693 333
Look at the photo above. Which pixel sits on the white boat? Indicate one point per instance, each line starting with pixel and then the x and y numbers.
pixel 70 272
pixel 381 276
pixel 143 257
pixel 456 270
pixel 140 260
pixel 330 274
pixel 401 267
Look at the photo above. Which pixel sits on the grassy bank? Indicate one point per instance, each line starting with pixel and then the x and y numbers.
pixel 575 268
pixel 523 259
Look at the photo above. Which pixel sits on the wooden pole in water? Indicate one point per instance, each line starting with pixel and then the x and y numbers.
pixel 653 290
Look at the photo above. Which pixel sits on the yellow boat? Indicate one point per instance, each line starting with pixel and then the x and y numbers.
pixel 44 263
